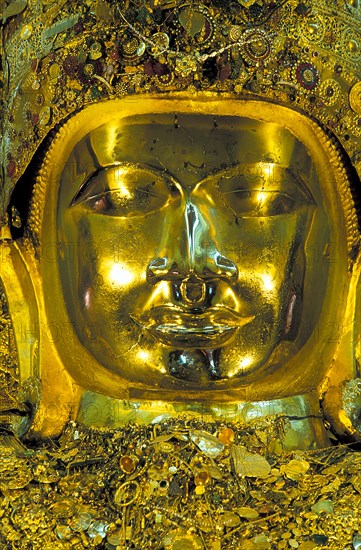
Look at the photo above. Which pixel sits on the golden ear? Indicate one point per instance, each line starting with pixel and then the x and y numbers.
pixel 23 319
pixel 39 365
pixel 342 394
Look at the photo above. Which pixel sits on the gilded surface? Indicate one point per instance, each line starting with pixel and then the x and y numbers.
pixel 198 222
pixel 190 245
pixel 217 310
pixel 180 274
pixel 194 268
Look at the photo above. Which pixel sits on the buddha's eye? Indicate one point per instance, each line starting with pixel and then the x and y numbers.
pixel 259 203
pixel 125 191
pixel 248 196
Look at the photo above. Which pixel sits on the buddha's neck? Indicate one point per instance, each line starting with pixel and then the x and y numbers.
pixel 303 427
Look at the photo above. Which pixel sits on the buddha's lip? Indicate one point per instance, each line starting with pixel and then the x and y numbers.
pixel 174 326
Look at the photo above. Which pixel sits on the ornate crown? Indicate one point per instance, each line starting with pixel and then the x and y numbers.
pixel 60 56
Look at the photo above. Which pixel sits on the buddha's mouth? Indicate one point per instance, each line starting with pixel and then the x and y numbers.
pixel 176 327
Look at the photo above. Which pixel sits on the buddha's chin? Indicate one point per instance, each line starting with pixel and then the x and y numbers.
pixel 217 365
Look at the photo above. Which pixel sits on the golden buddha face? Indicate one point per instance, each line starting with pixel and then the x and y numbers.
pixel 186 256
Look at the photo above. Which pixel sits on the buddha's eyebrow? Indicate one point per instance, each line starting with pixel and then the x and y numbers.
pixel 265 170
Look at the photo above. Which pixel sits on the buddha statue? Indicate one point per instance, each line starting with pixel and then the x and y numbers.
pixel 180 235
pixel 179 225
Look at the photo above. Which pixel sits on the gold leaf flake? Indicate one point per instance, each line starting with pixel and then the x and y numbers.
pixel 249 464
pixel 295 469
pixel 247 512
pixel 323 507
pixel 229 519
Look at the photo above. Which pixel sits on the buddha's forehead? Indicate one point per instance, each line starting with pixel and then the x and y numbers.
pixel 190 146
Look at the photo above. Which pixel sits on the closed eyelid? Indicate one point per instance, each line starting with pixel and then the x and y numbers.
pixel 125 191
pixel 252 177
pixel 99 179
pixel 259 177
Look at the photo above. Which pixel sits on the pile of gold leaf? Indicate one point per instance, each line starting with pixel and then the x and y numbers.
pixel 178 485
